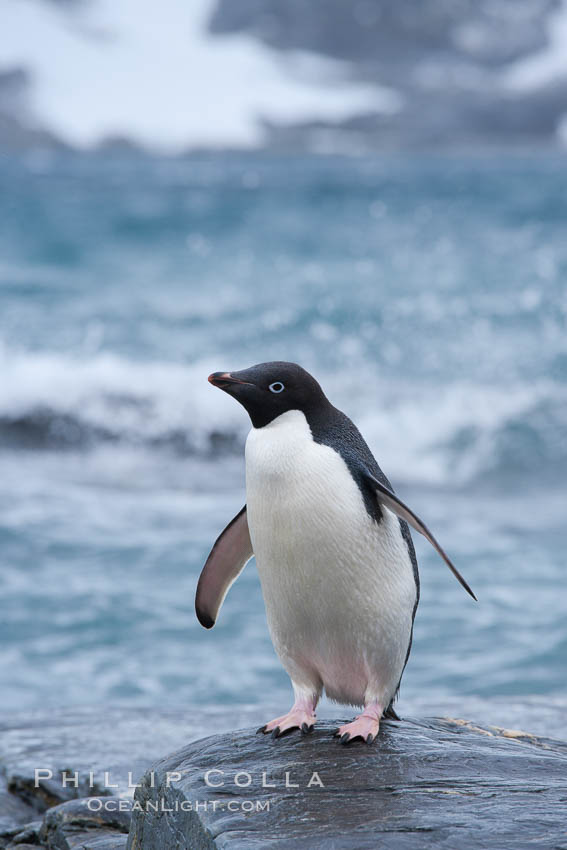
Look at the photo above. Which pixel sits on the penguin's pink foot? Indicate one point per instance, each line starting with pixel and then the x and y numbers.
pixel 300 716
pixel 365 726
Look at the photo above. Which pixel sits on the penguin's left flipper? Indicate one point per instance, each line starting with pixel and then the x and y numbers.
pixel 228 557
pixel 393 503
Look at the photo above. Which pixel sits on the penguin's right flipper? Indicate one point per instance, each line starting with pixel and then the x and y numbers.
pixel 391 501
pixel 228 557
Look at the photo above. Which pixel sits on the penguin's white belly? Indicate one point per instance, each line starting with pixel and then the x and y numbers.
pixel 338 587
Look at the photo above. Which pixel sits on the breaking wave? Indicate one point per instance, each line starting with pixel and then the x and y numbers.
pixel 453 433
pixel 50 402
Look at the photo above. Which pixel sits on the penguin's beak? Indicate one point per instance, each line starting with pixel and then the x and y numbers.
pixel 225 381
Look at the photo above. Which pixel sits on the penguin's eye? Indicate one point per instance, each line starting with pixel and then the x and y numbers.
pixel 276 387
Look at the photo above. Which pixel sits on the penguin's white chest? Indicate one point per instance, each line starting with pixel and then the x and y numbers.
pixel 338 586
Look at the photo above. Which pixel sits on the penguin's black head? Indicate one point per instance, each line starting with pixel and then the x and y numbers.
pixel 270 389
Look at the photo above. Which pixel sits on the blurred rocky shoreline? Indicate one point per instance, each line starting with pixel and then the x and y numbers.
pixel 467 75
pixel 102 753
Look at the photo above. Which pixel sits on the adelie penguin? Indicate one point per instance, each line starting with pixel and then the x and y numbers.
pixel 333 549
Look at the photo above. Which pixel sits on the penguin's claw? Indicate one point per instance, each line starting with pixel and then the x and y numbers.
pixel 295 719
pixel 261 729
pixel 364 727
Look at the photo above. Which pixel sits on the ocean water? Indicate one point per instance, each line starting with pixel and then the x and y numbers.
pixel 429 297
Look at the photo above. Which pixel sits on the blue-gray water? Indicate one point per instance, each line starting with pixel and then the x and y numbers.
pixel 429 297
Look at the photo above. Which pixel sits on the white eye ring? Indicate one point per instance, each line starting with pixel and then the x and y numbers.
pixel 276 387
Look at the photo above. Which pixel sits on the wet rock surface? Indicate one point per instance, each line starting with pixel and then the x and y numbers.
pixel 423 783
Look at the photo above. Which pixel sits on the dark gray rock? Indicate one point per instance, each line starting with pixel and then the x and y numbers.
pixel 23 846
pixel 430 783
pixel 28 834
pixel 99 822
pixel 13 811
